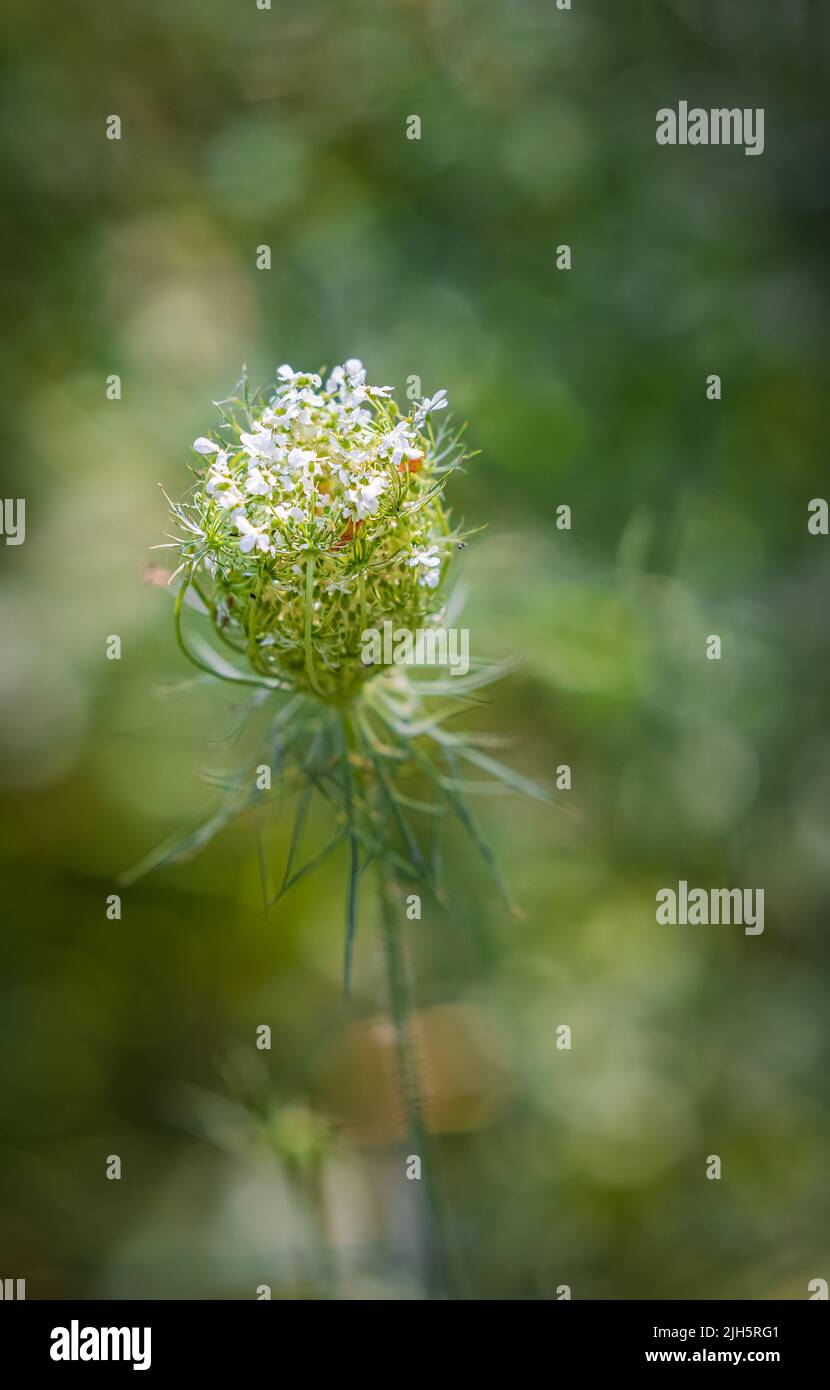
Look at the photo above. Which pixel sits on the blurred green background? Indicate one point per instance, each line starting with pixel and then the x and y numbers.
pixel 436 257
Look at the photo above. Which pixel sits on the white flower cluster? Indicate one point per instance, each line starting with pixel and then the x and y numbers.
pixel 317 462
pixel 318 514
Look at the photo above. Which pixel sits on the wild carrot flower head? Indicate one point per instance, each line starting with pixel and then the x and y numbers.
pixel 318 514
pixel 316 519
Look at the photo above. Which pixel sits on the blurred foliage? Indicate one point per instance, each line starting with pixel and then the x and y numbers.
pixel 435 257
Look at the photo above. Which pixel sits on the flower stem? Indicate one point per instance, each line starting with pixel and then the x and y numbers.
pixel 309 613
pixel 361 779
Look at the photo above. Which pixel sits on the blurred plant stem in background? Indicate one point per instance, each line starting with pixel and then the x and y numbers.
pixel 434 1217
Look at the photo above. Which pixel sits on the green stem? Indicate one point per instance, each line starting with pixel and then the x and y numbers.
pixel 253 654
pixel 361 589
pixel 360 778
pixel 309 612
pixel 351 750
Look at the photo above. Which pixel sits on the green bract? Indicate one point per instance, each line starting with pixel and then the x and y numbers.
pixel 318 515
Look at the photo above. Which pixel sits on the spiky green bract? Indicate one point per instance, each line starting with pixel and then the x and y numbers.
pixel 387 769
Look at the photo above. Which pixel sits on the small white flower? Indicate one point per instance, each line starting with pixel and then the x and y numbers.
pixel 206 446
pixel 299 458
pixel 428 404
pixel 257 483
pixel 260 445
pixel 229 496
pixel 397 443
pixel 430 563
pixel 286 513
pixel 349 380
pixel 217 475
pixel 350 420
pixel 364 498
pixel 252 536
